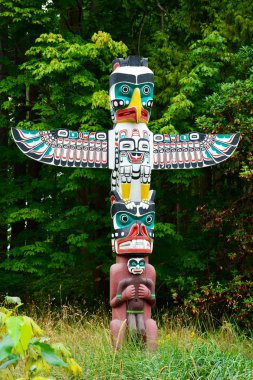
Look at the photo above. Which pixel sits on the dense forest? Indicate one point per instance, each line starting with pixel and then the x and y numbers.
pixel 55 62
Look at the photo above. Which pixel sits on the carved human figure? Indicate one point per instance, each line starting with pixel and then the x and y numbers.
pixel 132 287
pixel 139 288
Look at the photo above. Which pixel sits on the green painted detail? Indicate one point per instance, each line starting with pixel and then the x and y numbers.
pixel 132 263
pixel 135 311
pixel 125 219
pixel 118 296
pixel 153 295
pixel 125 91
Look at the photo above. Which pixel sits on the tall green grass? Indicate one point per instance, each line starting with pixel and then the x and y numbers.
pixel 184 353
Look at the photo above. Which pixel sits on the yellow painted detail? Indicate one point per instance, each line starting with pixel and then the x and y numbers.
pixel 144 192
pixel 136 102
pixel 125 190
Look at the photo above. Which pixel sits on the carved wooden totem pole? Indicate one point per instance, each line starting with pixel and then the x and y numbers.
pixel 131 150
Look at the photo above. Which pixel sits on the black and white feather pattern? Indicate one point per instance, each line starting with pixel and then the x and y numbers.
pixel 64 148
pixel 192 150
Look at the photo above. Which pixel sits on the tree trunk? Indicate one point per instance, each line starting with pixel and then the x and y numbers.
pixel 33 167
pixel 72 16
pixel 19 169
pixel 3 146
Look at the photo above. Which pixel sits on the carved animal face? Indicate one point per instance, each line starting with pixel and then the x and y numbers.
pixel 131 91
pixel 132 230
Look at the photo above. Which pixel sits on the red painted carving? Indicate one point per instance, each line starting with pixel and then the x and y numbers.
pixel 137 294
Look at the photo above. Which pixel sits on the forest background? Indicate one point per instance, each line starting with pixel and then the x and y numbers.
pixel 55 61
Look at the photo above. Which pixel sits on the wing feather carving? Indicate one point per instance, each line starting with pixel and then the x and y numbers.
pixel 62 147
pixel 192 150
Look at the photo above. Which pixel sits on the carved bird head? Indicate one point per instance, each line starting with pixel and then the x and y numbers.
pixel 131 90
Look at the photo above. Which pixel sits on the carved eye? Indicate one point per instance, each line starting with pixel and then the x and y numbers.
pixel 124 218
pixel 126 144
pixel 125 89
pixel 132 263
pixel 142 263
pixel 146 90
pixel 143 145
pixel 149 219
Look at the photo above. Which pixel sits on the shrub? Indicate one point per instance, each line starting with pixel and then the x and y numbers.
pixel 25 352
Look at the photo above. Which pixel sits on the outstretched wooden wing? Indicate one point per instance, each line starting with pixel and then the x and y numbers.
pixel 192 150
pixel 62 147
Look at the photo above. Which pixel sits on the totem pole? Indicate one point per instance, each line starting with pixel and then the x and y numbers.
pixel 131 151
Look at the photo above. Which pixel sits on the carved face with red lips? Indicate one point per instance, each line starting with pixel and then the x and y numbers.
pixel 133 230
pixel 134 150
pixel 136 265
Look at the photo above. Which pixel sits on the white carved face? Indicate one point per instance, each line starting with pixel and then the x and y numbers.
pixel 136 265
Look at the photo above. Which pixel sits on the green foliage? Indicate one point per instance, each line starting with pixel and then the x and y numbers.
pixel 25 351
pixel 165 229
pixel 17 12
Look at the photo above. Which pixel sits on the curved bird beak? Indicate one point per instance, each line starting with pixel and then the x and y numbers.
pixel 136 103
pixel 134 113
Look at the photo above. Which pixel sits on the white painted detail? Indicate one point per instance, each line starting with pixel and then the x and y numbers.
pixel 63 133
pixel 135 244
pixel 158 138
pixel 111 149
pixel 101 136
pixel 194 136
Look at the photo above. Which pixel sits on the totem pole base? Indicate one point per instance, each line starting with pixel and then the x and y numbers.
pixel 132 286
pixel 120 331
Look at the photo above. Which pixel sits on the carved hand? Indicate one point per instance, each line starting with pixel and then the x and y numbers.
pixel 144 292
pixel 128 293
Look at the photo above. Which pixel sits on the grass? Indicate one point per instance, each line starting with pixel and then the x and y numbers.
pixel 184 353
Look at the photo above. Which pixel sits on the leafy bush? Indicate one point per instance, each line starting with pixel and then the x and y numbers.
pixel 24 350
pixel 234 298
